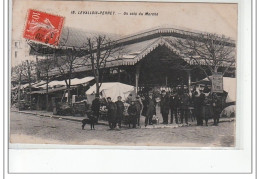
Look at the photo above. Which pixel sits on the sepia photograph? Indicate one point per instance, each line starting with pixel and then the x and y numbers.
pixel 123 73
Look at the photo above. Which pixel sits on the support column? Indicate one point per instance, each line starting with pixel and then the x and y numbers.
pixel 119 75
pixel 189 80
pixel 137 72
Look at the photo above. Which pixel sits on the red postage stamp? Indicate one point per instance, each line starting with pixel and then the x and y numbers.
pixel 43 27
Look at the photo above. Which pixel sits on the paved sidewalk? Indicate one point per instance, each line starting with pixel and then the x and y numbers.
pixel 101 122
pixel 50 114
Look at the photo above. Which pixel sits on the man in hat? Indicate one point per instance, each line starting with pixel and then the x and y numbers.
pixel 111 113
pixel 174 105
pixel 216 107
pixel 95 107
pixel 185 102
pixel 120 110
pixel 165 106
pixel 198 103
pixel 202 98
pixel 129 99
pixel 149 109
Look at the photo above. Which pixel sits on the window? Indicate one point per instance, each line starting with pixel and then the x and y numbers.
pixel 15 54
pixel 16 44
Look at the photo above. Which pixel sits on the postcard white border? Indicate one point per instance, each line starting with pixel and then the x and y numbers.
pixel 150 161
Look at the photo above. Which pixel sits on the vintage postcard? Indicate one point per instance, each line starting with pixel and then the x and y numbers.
pixel 123 73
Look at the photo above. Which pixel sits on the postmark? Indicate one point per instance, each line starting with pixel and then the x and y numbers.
pixel 43 27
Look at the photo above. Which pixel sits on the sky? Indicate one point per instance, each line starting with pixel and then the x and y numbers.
pixel 213 17
pixel 206 17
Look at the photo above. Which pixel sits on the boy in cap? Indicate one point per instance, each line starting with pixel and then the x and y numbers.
pixel 111 113
pixel 132 111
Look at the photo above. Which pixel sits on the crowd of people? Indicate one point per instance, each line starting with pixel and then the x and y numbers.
pixel 200 105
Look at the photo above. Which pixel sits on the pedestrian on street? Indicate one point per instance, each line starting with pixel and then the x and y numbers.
pixel 111 113
pixel 165 106
pixel 198 104
pixel 206 107
pixel 174 104
pixel 185 102
pixel 129 99
pixel 95 107
pixel 132 111
pixel 139 107
pixel 120 110
pixel 149 109
pixel 206 89
pixel 216 107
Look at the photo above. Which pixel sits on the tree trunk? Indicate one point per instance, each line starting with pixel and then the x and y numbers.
pixel 47 92
pixel 19 91
pixel 97 82
pixel 29 78
pixel 69 100
pixel 38 73
pixel 69 90
pixel 30 91
pixel 215 69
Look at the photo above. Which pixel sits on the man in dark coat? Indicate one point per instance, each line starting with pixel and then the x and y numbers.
pixel 184 106
pixel 202 99
pixel 198 103
pixel 132 111
pixel 129 99
pixel 174 104
pixel 206 109
pixel 111 113
pixel 206 89
pixel 120 110
pixel 216 107
pixel 149 109
pixel 95 107
pixel 139 107
pixel 165 106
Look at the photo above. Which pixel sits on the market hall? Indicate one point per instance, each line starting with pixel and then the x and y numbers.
pixel 146 61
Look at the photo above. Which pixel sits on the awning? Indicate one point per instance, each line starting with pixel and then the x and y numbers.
pixel 33 85
pixel 229 85
pixel 52 90
pixel 36 85
pixel 113 90
pixel 74 81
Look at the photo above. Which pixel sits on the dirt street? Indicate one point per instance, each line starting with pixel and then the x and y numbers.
pixel 25 128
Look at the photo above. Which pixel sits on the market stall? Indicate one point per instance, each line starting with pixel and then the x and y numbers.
pixel 229 86
pixel 113 90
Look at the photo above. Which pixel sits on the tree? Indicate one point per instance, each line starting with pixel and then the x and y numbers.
pixel 45 66
pixel 100 50
pixel 29 67
pixel 66 64
pixel 17 72
pixel 207 50
pixel 24 71
pixel 64 59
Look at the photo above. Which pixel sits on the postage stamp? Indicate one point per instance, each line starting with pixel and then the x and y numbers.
pixel 43 27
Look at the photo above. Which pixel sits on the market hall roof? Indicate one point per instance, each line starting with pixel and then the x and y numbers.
pixel 72 38
pixel 134 47
pixel 133 53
